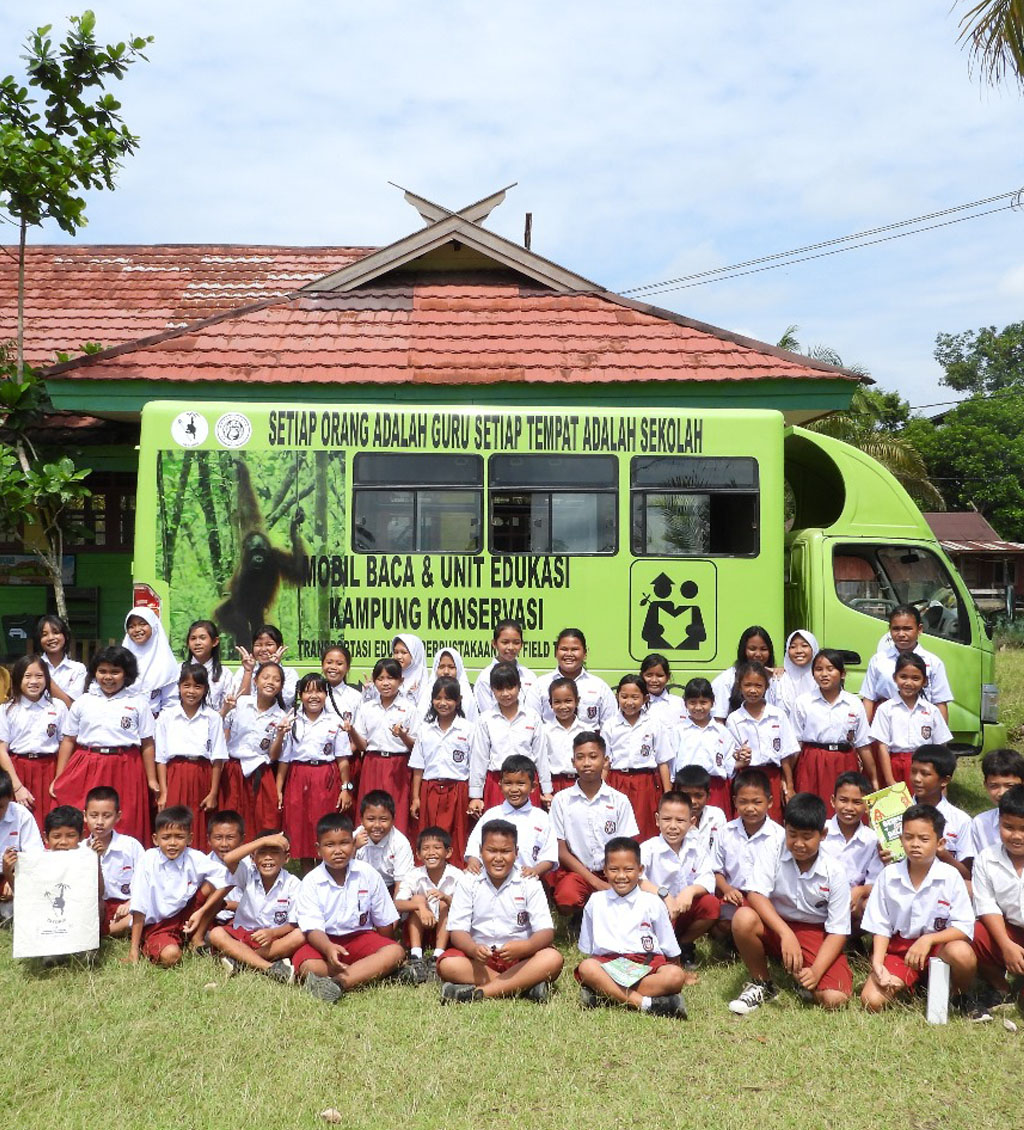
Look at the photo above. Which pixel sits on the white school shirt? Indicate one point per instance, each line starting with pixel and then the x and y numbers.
pixel 735 853
pixel 18 829
pixel 291 678
pixel 668 709
pixel 712 822
pixel 998 889
pixel 361 902
pixel 712 747
pixel 391 858
pixel 170 695
pixel 251 733
pixel 161 887
pixel 896 906
pixel 957 833
pixel 199 738
pixel 643 746
pixel 419 882
pixel 492 915
pixel 373 723
pixel 33 727
pixel 123 719
pixel 820 722
pixel 315 742
pixel 226 914
pixel 260 909
pixel 722 685
pixel 346 702
pixel 588 823
pixel 858 854
pixel 483 694
pixel 985 831
pixel 497 737
pixel 879 682
pixel 118 864
pixel 536 838
pixel 664 867
pixel 443 755
pixel 560 740
pixel 821 894
pixel 904 729
pixel 69 675
pixel 636 923
pixel 597 704
pixel 770 737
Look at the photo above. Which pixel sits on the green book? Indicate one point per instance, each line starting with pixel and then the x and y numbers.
pixel 885 816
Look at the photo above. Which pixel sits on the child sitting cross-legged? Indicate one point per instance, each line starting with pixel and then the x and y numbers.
pixel 500 928
pixel 632 952
pixel 425 895
pixel 799 912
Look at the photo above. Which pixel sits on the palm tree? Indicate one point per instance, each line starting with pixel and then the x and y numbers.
pixel 994 29
pixel 863 425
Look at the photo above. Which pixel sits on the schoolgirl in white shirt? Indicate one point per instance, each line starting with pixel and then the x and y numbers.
pixel 145 638
pixel 901 725
pixel 507 644
pixel 202 646
pixel 268 646
pixel 597 703
pixel 448 664
pixel 67 675
pixel 755 646
pixel 796 677
pixel 669 709
pixel 247 784
pixel 564 700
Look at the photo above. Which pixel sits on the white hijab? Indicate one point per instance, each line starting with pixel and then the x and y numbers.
pixel 468 701
pixel 158 667
pixel 795 680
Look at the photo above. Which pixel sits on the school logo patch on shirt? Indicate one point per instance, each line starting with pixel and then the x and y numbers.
pixel 940 924
pixel 346 716
pixel 648 943
pixel 926 731
pixel 591 711
pixel 719 759
pixel 265 744
pixel 364 918
pixel 280 917
pixel 127 722
pixel 850 735
pixel 609 827
pixel 523 918
pixel 645 750
pixel 328 748
pixel 209 745
pixel 458 756
pixel 536 852
pixel 51 729
pixel 126 888
pixel 776 744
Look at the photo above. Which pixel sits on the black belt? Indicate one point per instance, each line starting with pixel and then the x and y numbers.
pixel 108 749
pixel 830 747
pixel 633 772
pixel 387 753
pixel 184 757
pixel 565 776
pixel 33 756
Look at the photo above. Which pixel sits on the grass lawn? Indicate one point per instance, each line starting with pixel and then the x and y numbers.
pixel 136 1047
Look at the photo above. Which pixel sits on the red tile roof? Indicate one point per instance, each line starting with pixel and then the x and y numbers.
pixel 77 293
pixel 477 330
pixel 966 531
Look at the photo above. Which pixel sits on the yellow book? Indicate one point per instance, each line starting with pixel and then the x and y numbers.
pixel 885 816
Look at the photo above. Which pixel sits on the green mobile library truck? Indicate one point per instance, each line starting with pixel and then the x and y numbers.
pixel 652 529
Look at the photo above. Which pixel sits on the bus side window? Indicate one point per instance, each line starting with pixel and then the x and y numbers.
pixel 694 506
pixel 562 504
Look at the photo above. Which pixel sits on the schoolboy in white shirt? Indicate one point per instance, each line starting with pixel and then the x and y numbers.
pixel 1001 769
pixel 931 771
pixel 904 633
pixel 999 899
pixel 119 856
pixel 425 896
pixel 703 741
pixel 849 840
pixel 379 843
pixel 918 908
pixel 708 819
pixel 500 929
pixel 538 848
pixel 632 951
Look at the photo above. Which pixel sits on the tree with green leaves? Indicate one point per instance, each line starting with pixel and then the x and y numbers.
pixel 60 135
pixel 993 31
pixel 982 361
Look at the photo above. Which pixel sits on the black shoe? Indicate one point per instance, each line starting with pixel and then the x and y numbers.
pixel 688 956
pixel 323 988
pixel 970 1008
pixel 672 1005
pixel 460 994
pixel 538 993
pixel 588 998
pixel 414 972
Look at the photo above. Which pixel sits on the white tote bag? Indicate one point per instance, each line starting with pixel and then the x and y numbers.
pixel 56 903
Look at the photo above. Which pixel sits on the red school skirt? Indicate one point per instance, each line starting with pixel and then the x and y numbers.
pixel 900 761
pixel 253 797
pixel 720 795
pixel 310 791
pixel 443 804
pixel 188 783
pixel 123 771
pixel 36 773
pixel 493 796
pixel 390 772
pixel 817 768
pixel 561 781
pixel 643 787
pixel 774 775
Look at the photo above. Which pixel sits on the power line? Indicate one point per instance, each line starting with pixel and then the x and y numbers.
pixel 785 258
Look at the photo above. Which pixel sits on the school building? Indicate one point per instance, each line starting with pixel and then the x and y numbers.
pixel 449 314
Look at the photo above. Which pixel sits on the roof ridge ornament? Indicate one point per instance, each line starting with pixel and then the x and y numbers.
pixel 475 213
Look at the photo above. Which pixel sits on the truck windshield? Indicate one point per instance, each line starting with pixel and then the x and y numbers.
pixel 874 579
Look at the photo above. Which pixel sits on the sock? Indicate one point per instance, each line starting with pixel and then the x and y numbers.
pixel 645 1004
pixel 416 953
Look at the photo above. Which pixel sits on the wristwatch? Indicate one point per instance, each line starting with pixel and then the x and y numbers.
pixel 347 787
pixel 663 892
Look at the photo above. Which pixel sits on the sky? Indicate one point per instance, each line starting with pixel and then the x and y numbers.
pixel 648 141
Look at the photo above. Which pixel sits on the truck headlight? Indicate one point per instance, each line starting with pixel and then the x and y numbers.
pixel 989 702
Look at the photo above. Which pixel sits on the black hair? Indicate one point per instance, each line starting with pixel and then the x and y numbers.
pixel 911 659
pixel 519 763
pixel 746 637
pixel 927 812
pixel 344 649
pixel 64 816
pixel 655 660
pixel 198 674
pixel 836 658
pixel 940 757
pixel 334 822
pixel 571 633
pixel 214 633
pixel 59 625
pixel 622 843
pixel 673 797
pixel 751 779
pixel 634 681
pixel 806 813
pixel 503 624
pixel 445 687
pixel 698 688
pixel 563 681
pixel 1011 803
pixel 114 656
pixel 433 832
pixel 18 674
pixel 692 777
pixel 906 610
pixel 1003 763
pixel 499 828
pixel 279 697
pixel 743 670
pixel 177 816
pixel 388 666
pixel 377 798
pixel 6 786
pixel 101 793
pixel 269 630
pixel 852 777
pixel 264 832
pixel 226 816
pixel 504 676
pixel 586 738
pixel 313 679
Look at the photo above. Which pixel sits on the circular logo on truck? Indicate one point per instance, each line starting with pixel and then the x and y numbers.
pixel 233 429
pixel 189 429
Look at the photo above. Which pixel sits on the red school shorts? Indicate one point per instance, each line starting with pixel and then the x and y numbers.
pixel 107 912
pixel 810 935
pixel 571 891
pixel 707 907
pixel 240 934
pixel 169 932
pixel 898 946
pixel 985 947
pixel 363 943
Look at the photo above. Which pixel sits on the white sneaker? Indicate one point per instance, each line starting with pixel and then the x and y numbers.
pixel 754 994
